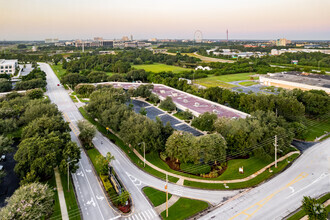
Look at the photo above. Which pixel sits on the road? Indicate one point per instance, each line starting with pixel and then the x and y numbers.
pixel 308 176
pixel 134 179
pixel 90 195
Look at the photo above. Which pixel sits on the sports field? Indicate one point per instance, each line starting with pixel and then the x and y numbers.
pixel 159 67
pixel 222 81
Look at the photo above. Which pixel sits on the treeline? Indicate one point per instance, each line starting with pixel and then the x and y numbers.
pixel 45 141
pixel 35 79
pixel 309 59
pixel 121 62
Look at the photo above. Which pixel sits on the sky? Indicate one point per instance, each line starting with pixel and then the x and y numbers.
pixel 175 19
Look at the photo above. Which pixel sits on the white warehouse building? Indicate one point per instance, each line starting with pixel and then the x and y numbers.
pixel 8 66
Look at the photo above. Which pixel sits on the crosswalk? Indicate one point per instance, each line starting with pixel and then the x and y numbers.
pixel 145 215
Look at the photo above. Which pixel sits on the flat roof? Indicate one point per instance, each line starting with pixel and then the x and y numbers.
pixel 303 78
pixel 3 61
pixel 185 100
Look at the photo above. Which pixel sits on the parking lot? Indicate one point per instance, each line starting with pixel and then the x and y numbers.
pixel 153 112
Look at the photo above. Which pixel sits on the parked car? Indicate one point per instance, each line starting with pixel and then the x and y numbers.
pixel 3 158
pixel 58 84
pixel 1 167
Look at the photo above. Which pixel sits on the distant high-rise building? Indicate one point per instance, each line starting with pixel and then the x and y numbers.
pixel 51 40
pixel 124 38
pixel 282 42
pixel 131 37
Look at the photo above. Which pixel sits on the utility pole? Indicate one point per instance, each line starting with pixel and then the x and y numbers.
pixel 275 145
pixel 166 197
pixel 144 154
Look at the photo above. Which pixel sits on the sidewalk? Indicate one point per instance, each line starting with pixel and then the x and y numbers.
pixel 61 198
pixel 215 181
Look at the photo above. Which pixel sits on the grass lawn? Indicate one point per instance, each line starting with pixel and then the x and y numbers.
pixel 250 166
pixel 58 70
pixel 248 83
pixel 110 73
pixel 159 67
pixel 255 181
pixel 57 209
pixel 302 213
pixel 93 154
pixel 155 196
pixel 126 149
pixel 70 198
pixel 184 208
pixel 222 81
pixel 317 128
pixel 74 99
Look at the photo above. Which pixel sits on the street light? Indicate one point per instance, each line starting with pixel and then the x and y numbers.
pixel 144 153
pixel 68 164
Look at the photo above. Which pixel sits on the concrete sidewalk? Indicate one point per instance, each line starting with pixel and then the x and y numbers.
pixel 215 181
pixel 60 192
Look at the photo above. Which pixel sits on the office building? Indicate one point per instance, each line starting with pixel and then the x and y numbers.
pixel 8 66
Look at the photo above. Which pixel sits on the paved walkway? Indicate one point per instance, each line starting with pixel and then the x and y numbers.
pixel 161 208
pixel 61 198
pixel 215 181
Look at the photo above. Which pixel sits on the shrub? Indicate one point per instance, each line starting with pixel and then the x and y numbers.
pixel 167 104
pixel 106 182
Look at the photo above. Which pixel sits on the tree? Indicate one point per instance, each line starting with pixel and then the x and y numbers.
pixel 154 98
pixel 182 146
pixel 205 121
pixel 35 93
pixel 32 201
pixel 5 144
pixel 87 132
pixel 103 163
pixel 30 84
pixel 73 79
pixel 5 85
pixel 167 104
pixel 212 148
pixel 123 197
pixel 37 108
pixel 314 209
pixel 143 111
pixel 97 76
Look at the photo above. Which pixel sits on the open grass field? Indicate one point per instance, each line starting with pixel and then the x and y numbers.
pixel 184 208
pixel 222 81
pixel 205 59
pixel 58 70
pixel 317 128
pixel 159 67
pixel 155 196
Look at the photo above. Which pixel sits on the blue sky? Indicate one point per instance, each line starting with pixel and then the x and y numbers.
pixel 245 19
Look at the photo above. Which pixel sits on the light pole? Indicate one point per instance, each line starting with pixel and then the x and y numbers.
pixel 144 153
pixel 68 164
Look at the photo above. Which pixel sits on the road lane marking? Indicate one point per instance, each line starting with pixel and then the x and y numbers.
pixel 257 206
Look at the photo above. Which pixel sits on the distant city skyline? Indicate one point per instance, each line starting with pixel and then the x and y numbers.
pixel 144 19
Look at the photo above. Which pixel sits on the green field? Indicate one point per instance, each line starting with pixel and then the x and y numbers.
pixel 248 83
pixel 159 67
pixel 58 70
pixel 222 81
pixel 184 208
pixel 155 196
pixel 317 128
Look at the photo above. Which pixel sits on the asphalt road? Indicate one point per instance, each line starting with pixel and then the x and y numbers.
pixel 90 195
pixel 308 176
pixel 88 190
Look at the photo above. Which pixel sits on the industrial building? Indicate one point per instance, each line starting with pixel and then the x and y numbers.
pixel 297 80
pixel 8 66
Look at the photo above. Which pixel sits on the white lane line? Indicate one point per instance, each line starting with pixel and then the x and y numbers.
pixel 142 213
pixel 91 190
pixel 140 216
pixel 147 214
pixel 151 213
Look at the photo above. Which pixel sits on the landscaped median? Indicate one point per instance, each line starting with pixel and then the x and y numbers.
pixel 182 208
pixel 255 171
